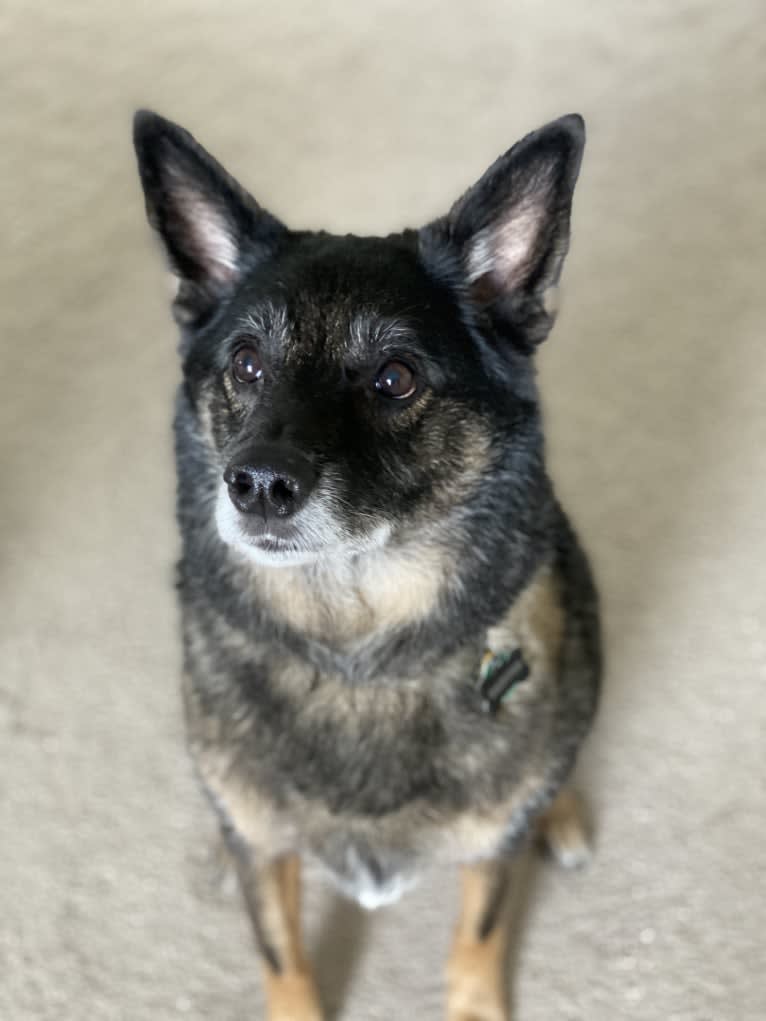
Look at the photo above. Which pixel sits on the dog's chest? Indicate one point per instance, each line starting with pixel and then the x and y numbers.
pixel 377 779
pixel 345 600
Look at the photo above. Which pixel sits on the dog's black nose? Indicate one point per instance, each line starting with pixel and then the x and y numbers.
pixel 274 484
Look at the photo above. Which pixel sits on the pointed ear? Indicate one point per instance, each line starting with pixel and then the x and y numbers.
pixel 212 229
pixel 506 238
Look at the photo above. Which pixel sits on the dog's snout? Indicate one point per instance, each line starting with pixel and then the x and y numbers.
pixel 273 484
pixel 263 490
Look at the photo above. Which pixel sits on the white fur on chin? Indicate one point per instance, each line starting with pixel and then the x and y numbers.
pixel 323 536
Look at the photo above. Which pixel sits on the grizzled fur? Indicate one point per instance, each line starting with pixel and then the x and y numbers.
pixel 331 678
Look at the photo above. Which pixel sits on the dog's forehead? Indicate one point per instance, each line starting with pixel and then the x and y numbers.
pixel 347 332
pixel 326 331
pixel 345 298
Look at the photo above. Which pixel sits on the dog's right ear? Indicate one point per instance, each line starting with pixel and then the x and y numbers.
pixel 212 229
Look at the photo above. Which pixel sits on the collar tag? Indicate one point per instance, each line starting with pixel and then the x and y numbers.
pixel 499 675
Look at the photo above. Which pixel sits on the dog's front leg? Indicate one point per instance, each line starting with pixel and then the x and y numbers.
pixel 476 985
pixel 272 894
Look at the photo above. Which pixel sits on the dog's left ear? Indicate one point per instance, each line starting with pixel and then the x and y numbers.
pixel 212 229
pixel 505 240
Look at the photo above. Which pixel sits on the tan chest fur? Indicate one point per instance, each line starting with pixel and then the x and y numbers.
pixel 347 599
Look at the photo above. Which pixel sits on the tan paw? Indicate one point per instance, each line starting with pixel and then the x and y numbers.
pixel 475 986
pixel 563 832
pixel 480 1012
pixel 293 997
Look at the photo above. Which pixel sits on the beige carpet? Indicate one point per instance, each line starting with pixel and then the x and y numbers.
pixel 367 116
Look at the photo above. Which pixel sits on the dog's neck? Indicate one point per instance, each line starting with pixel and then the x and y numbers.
pixel 410 603
pixel 340 600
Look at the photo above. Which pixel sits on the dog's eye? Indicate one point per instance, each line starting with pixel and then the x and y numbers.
pixel 396 380
pixel 246 365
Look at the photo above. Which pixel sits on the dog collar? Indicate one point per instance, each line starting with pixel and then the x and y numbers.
pixel 499 674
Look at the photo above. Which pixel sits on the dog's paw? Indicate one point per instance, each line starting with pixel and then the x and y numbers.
pixel 482 1012
pixel 476 985
pixel 563 833
pixel 293 997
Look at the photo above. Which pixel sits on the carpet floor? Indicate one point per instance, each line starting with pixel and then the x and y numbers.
pixel 367 117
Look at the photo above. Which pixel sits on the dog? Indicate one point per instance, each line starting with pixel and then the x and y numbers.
pixel 391 633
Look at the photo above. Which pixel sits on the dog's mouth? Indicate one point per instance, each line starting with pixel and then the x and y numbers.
pixel 311 535
pixel 269 542
pixel 272 543
pixel 276 552
pixel 276 544
pixel 256 530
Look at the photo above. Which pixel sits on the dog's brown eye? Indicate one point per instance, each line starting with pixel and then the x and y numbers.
pixel 396 380
pixel 246 365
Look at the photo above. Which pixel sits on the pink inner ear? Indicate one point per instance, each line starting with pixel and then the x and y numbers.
pixel 209 236
pixel 506 249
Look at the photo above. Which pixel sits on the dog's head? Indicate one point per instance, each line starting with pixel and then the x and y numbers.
pixel 350 389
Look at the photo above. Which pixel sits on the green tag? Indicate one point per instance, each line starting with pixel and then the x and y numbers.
pixel 499 675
